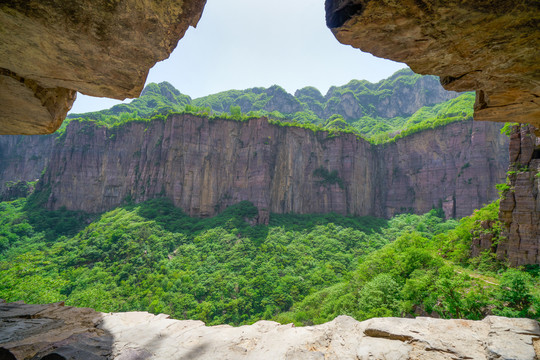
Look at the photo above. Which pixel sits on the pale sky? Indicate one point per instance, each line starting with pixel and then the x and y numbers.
pixel 239 44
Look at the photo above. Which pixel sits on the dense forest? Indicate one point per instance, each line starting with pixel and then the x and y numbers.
pixel 300 268
pixel 378 112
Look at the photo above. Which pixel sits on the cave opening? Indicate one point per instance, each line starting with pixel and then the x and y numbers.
pixel 536 153
pixel 53 356
pixel 6 354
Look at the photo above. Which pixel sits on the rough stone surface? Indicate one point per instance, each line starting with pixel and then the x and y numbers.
pixel 520 205
pixel 455 166
pixel 488 46
pixel 36 331
pixel 23 158
pixel 50 49
pixel 28 108
pixel 206 165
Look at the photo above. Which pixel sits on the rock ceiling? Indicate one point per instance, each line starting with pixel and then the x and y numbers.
pixel 491 46
pixel 51 49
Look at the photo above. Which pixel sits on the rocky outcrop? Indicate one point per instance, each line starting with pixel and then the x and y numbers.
pixel 23 158
pixel 29 107
pixel 488 46
pixel 206 165
pixel 520 204
pixel 61 332
pixel 52 49
pixel 399 95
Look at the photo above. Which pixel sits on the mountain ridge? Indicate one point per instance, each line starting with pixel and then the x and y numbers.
pixel 369 109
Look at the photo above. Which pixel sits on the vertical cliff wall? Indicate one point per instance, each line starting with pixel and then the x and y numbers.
pixel 454 166
pixel 23 157
pixel 520 204
pixel 206 165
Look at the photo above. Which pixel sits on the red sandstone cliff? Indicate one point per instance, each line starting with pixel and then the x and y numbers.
pixel 456 166
pixel 23 157
pixel 205 165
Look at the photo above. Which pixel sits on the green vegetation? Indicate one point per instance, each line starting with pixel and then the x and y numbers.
pixel 153 257
pixel 300 268
pixel 422 273
pixel 327 177
pixel 308 108
pixel 427 117
pixel 304 269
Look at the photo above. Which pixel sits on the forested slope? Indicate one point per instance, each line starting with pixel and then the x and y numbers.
pixel 305 269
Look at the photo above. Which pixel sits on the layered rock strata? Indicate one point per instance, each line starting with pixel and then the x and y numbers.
pixel 206 165
pixel 51 49
pixel 61 332
pixel 488 46
pixel 520 204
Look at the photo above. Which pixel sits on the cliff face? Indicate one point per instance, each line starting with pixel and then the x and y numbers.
pixel 456 166
pixel 204 166
pixel 23 157
pixel 520 204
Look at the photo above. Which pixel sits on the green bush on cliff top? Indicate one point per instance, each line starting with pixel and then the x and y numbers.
pixel 307 109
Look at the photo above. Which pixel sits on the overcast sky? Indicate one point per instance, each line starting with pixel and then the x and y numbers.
pixel 240 44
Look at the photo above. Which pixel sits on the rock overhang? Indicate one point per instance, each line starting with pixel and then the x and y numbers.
pixel 488 46
pixel 49 50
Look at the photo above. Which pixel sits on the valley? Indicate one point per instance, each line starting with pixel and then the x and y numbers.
pixel 376 220
pixel 260 213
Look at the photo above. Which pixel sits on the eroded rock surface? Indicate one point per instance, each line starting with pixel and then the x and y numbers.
pixel 488 46
pixel 36 331
pixel 51 49
pixel 520 204
pixel 23 158
pixel 29 108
